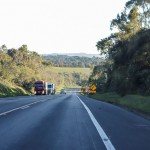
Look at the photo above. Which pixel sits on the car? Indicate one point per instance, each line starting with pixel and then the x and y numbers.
pixel 63 91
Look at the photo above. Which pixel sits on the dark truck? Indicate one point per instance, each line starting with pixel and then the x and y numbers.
pixel 44 88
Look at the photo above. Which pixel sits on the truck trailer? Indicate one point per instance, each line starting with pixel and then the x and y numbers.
pixel 44 88
pixel 51 88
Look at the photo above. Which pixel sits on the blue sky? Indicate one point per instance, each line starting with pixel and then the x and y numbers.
pixel 57 26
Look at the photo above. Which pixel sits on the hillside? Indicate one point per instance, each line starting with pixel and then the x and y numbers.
pixel 20 68
pixel 62 77
pixel 8 89
pixel 73 54
pixel 72 61
pixel 65 77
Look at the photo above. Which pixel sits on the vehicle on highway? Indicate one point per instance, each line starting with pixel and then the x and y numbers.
pixel 40 87
pixel 63 91
pixel 51 88
pixel 44 88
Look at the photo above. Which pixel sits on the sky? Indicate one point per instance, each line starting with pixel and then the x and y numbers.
pixel 57 26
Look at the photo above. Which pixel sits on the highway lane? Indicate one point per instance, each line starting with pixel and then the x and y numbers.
pixel 126 130
pixel 9 103
pixel 61 122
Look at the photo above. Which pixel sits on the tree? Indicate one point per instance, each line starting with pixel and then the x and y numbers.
pixel 134 20
pixel 127 52
pixel 105 44
pixel 3 48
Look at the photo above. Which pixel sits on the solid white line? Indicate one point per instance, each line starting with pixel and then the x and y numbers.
pixel 101 132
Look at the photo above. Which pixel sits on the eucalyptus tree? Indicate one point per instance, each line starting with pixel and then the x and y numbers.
pixel 127 50
pixel 144 7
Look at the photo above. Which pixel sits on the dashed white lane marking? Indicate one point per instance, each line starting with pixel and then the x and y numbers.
pixel 101 132
pixel 22 107
pixel 4 113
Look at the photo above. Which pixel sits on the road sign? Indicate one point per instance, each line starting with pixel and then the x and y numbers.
pixel 93 87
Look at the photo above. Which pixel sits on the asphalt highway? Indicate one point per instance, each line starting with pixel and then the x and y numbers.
pixel 69 122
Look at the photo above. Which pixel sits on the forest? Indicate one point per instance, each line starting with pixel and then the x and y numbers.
pixel 126 69
pixel 20 68
pixel 73 61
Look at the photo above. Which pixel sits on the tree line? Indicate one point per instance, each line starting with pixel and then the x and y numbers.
pixel 23 67
pixel 20 66
pixel 72 61
pixel 126 68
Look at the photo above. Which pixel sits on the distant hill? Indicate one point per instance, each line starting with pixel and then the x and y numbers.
pixel 73 54
pixel 72 61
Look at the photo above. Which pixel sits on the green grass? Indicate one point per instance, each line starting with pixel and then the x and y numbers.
pixel 66 77
pixel 71 70
pixel 62 77
pixel 136 103
pixel 7 89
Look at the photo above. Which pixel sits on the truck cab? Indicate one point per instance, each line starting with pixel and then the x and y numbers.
pixel 40 88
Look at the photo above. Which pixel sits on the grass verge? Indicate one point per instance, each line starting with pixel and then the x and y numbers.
pixel 136 103
pixel 7 90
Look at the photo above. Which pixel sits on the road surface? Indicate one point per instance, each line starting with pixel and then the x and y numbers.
pixel 69 122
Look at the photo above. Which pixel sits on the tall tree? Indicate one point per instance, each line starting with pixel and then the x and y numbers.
pixel 127 51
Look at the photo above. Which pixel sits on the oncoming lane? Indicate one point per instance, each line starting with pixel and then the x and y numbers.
pixel 11 104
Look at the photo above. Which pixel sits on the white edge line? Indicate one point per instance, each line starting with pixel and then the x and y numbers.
pixel 101 132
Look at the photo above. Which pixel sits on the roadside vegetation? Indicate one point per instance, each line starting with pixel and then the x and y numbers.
pixel 20 68
pixel 123 78
pixel 67 77
pixel 73 61
pixel 136 103
pixel 7 89
pixel 126 69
